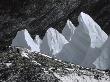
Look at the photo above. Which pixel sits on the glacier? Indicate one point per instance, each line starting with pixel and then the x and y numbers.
pixel 68 30
pixel 24 40
pixel 75 50
pixel 97 38
pixel 86 45
pixel 97 35
pixel 37 40
pixel 103 61
pixel 53 42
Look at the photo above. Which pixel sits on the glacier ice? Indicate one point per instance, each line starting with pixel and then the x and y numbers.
pixel 97 35
pixel 37 40
pixel 97 38
pixel 103 61
pixel 85 43
pixel 24 40
pixel 53 42
pixel 75 50
pixel 68 30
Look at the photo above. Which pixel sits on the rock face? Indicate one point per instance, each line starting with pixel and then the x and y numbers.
pixel 37 15
pixel 24 40
pixel 53 42
pixel 68 30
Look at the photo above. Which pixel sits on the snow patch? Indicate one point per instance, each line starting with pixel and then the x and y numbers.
pixel 23 54
pixel 36 62
pixel 8 64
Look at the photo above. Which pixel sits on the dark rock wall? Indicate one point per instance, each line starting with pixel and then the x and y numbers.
pixel 38 15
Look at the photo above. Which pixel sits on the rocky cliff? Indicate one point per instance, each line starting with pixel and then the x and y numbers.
pixel 38 15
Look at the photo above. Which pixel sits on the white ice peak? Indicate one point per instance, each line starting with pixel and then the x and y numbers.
pixel 68 30
pixel 53 42
pixel 97 38
pixel 37 40
pixel 97 35
pixel 24 40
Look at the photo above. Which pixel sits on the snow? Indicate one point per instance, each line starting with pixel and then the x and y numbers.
pixel 23 54
pixel 8 64
pixel 103 62
pixel 46 56
pixel 68 30
pixel 53 42
pixel 24 40
pixel 37 40
pixel 35 62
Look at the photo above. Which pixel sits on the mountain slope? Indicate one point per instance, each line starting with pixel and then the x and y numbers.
pixel 39 67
